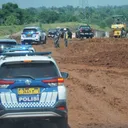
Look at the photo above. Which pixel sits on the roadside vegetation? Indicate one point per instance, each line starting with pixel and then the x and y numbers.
pixel 13 18
pixel 9 30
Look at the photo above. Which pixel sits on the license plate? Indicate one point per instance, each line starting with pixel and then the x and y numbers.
pixel 22 91
pixel 28 35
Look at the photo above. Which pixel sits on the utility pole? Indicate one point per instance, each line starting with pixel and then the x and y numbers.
pixel 84 6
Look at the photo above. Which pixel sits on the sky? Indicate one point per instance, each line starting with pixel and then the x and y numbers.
pixel 60 3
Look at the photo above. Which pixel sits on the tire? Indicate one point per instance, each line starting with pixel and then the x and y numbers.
pixel 62 122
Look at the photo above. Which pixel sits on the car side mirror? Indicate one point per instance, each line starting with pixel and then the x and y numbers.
pixel 64 75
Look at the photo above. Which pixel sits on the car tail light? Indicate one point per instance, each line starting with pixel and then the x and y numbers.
pixel 5 83
pixel 54 82
pixel 61 108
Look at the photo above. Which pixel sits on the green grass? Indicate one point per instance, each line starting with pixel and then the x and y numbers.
pixel 8 30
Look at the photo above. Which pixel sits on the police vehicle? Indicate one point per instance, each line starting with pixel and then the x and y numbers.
pixel 31 35
pixel 19 49
pixel 31 85
pixel 7 43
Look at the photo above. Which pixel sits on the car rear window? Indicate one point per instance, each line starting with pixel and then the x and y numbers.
pixel 85 27
pixel 34 70
pixel 30 30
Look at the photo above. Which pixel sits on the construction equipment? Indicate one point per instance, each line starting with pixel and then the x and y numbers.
pixel 119 26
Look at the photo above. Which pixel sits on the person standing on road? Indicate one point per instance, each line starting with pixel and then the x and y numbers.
pixel 66 37
pixel 56 39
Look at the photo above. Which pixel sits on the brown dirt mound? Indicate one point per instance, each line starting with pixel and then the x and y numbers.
pixel 97 86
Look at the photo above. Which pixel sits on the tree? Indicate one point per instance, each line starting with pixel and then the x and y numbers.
pixel 11 20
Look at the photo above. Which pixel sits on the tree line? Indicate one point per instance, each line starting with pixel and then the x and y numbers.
pixel 11 14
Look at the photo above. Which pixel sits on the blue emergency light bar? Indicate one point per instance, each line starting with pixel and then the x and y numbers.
pixel 26 54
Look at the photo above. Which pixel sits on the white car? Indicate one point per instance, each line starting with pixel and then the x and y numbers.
pixel 32 35
pixel 32 87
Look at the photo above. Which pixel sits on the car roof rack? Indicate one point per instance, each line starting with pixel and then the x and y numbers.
pixel 25 54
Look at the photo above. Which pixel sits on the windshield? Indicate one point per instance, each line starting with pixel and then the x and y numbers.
pixel 35 70
pixel 7 43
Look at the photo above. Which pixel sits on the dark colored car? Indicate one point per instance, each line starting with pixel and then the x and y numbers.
pixel 7 43
pixel 52 32
pixel 84 31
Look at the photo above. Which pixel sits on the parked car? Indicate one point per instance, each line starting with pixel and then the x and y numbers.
pixel 52 32
pixel 32 35
pixel 84 31
pixel 7 43
pixel 32 87
pixel 19 48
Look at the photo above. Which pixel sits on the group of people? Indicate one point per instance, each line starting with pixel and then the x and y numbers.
pixel 57 37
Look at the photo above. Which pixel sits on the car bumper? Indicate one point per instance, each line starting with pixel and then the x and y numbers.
pixel 34 112
pixel 30 39
pixel 51 36
pixel 86 34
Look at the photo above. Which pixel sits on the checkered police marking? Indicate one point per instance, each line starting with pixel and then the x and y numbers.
pixel 9 100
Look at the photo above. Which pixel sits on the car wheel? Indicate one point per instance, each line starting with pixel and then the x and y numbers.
pixel 62 122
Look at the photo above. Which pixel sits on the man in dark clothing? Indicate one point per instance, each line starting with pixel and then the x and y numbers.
pixel 56 39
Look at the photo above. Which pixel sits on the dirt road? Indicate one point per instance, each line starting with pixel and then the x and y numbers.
pixel 97 83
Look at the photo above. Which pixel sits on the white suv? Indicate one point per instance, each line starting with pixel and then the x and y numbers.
pixel 32 87
pixel 31 35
